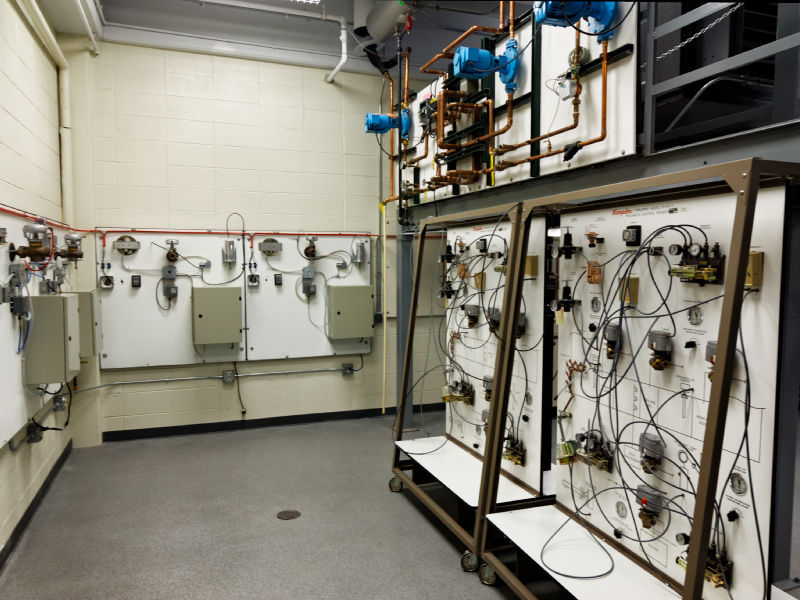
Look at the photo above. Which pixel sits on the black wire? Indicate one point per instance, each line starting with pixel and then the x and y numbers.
pixel 361 356
pixel 238 388
pixel 69 406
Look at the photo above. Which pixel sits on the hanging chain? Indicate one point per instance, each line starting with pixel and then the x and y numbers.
pixel 704 30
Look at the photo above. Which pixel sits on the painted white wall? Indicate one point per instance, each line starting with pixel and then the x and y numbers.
pixel 29 180
pixel 29 147
pixel 180 140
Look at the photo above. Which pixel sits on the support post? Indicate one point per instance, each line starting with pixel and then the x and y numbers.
pixel 745 186
pixel 407 296
pixel 503 370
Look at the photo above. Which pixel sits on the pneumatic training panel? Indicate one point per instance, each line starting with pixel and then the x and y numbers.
pixel 473 284
pixel 639 301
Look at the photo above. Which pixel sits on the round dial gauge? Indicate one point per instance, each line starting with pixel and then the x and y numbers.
pixel 627 235
pixel 675 249
pixel 596 304
pixel 554 305
pixel 695 315
pixel 554 251
pixel 738 484
pixel 622 510
pixel 694 249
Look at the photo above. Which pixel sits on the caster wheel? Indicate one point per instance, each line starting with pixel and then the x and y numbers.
pixel 487 575
pixel 469 561
pixel 395 484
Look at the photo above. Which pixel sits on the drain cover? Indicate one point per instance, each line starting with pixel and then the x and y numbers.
pixel 288 515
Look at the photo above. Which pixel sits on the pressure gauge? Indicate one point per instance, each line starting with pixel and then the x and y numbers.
pixel 622 510
pixel 695 315
pixel 675 249
pixel 694 249
pixel 738 484
pixel 596 304
pixel 554 251
pixel 554 305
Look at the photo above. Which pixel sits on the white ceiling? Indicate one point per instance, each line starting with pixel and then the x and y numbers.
pixel 194 25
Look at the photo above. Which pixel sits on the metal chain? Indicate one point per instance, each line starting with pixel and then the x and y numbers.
pixel 704 30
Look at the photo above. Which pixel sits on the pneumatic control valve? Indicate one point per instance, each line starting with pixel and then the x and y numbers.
pixel 660 343
pixel 475 63
pixel 566 302
pixel 600 16
pixel 566 249
pixel 378 123
pixel 611 335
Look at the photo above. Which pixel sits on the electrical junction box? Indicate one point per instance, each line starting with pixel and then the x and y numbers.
pixel 350 309
pixel 52 353
pixel 88 317
pixel 217 315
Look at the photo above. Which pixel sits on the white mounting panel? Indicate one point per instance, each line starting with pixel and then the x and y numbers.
pixel 683 418
pixel 17 405
pixel 476 349
pixel 556 44
pixel 137 333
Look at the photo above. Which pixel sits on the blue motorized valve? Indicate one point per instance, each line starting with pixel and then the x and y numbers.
pixel 600 15
pixel 474 63
pixel 378 123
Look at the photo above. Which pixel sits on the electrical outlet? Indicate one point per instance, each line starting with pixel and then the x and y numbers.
pixel 228 376
pixel 347 369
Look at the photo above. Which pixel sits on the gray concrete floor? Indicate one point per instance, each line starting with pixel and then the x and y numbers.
pixel 195 517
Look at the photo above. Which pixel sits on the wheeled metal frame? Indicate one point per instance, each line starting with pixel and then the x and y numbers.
pixel 744 178
pixel 502 375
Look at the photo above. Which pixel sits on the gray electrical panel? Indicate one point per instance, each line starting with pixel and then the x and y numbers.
pixel 350 311
pixel 52 352
pixel 89 315
pixel 217 315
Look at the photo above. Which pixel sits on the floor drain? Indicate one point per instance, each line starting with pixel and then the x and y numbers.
pixel 288 515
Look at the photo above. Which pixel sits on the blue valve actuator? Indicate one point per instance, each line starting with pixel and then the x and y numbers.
pixel 601 15
pixel 378 123
pixel 474 63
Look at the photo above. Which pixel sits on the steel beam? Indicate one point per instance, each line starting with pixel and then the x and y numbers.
pixel 728 64
pixel 701 12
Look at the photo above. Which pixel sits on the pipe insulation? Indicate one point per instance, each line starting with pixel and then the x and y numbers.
pixel 30 10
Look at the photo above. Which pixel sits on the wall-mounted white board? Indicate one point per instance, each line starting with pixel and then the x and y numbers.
pixel 279 321
pixel 19 402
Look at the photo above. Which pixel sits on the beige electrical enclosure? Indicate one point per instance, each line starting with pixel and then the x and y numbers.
pixel 217 315
pixel 350 311
pixel 53 347
pixel 88 313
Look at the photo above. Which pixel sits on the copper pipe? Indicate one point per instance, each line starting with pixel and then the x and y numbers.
pixel 502 14
pixel 492 132
pixel 418 159
pixel 509 120
pixel 446 52
pixel 576 101
pixel 391 141
pixel 603 108
pixel 599 138
pixel 511 19
pixel 440 116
